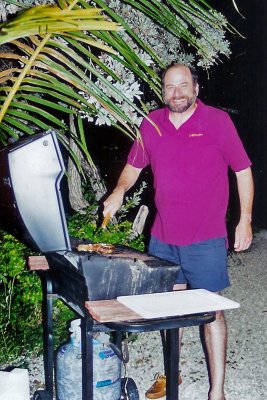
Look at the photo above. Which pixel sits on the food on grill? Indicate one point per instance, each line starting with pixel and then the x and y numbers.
pixel 102 248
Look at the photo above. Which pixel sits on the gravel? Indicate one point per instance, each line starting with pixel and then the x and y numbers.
pixel 246 361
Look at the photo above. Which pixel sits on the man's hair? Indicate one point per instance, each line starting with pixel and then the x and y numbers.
pixel 191 69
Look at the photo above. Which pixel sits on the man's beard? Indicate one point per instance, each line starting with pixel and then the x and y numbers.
pixel 180 107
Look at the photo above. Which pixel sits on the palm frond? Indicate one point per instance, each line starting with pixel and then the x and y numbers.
pixel 59 69
pixel 50 19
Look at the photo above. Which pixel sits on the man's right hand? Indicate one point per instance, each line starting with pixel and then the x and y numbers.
pixel 113 203
pixel 126 180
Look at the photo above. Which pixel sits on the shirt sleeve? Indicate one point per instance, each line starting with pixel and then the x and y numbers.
pixel 138 156
pixel 233 149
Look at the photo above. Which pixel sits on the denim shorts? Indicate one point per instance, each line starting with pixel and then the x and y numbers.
pixel 203 264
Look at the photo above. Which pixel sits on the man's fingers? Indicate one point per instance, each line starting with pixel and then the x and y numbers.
pixel 242 243
pixel 112 204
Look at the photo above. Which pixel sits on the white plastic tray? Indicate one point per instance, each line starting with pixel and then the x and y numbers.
pixel 184 302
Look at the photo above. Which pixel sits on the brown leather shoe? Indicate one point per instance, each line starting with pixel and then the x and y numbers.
pixel 158 389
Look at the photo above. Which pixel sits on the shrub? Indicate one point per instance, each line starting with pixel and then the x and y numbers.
pixel 119 231
pixel 20 300
pixel 21 305
pixel 116 233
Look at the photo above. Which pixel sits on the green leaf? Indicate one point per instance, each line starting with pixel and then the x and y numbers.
pixel 19 125
pixel 27 117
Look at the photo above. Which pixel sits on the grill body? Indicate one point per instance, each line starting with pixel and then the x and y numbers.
pixel 100 277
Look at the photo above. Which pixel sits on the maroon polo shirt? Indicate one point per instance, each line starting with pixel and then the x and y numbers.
pixel 190 168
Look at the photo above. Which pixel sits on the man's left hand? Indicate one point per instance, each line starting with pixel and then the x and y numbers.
pixel 243 235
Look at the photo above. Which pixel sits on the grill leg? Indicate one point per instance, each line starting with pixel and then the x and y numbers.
pixel 47 310
pixel 163 341
pixel 87 357
pixel 172 364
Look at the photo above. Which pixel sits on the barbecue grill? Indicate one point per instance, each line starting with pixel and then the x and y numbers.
pixel 31 208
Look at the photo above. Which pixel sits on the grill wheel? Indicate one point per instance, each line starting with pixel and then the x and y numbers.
pixel 41 395
pixel 129 389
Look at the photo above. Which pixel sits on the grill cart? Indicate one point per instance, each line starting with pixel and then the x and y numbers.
pixel 89 282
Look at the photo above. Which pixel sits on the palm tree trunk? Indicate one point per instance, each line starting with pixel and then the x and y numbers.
pixel 77 201
pixel 76 198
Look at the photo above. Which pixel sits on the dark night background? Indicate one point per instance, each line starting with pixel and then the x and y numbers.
pixel 239 85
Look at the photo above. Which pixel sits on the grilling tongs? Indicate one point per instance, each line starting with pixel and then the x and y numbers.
pixel 105 221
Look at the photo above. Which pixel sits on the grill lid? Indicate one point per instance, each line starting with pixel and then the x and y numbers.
pixel 31 206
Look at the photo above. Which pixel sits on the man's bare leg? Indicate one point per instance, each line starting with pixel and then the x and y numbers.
pixel 215 335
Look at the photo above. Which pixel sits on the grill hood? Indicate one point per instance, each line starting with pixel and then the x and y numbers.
pixel 31 206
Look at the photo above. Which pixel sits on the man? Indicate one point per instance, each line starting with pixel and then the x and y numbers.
pixel 190 161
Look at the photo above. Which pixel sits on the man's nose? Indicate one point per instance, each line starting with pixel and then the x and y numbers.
pixel 177 91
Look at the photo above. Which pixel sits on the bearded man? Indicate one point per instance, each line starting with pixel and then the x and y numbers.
pixel 190 161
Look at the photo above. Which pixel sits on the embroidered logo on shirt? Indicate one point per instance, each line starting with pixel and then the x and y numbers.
pixel 195 134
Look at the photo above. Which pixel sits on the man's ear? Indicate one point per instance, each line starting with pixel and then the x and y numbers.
pixel 197 89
